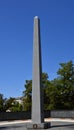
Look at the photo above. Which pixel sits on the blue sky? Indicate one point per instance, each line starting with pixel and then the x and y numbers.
pixel 16 40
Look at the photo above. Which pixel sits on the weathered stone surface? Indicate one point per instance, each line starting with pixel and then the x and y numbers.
pixel 37 103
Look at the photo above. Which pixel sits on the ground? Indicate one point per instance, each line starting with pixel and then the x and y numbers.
pixel 55 125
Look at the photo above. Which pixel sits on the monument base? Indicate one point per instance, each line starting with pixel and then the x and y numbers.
pixel 38 126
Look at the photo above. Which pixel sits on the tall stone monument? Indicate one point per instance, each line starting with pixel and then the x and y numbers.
pixel 37 103
pixel 37 96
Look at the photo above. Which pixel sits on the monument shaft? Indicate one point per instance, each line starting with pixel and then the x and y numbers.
pixel 37 97
pixel 37 102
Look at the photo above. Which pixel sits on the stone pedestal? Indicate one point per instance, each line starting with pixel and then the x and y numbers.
pixel 41 126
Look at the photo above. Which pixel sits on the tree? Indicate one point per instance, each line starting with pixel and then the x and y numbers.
pixel 45 84
pixel 27 95
pixel 16 107
pixel 8 103
pixel 64 84
pixel 66 78
pixel 28 92
pixel 2 102
pixel 12 105
pixel 66 73
pixel 58 93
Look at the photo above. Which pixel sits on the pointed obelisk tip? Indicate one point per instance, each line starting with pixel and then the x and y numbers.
pixel 36 17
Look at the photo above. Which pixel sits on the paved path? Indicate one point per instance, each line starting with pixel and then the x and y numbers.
pixel 62 126
pixel 56 124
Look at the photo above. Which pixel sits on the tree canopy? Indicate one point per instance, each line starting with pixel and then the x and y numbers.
pixel 58 93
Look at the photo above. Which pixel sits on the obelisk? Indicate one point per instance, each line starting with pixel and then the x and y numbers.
pixel 37 103
pixel 37 95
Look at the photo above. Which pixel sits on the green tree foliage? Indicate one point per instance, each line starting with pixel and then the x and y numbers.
pixel 12 105
pixel 61 93
pixel 58 93
pixel 16 107
pixel 27 95
pixel 45 84
pixel 66 83
pixel 9 102
pixel 28 92
pixel 2 102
